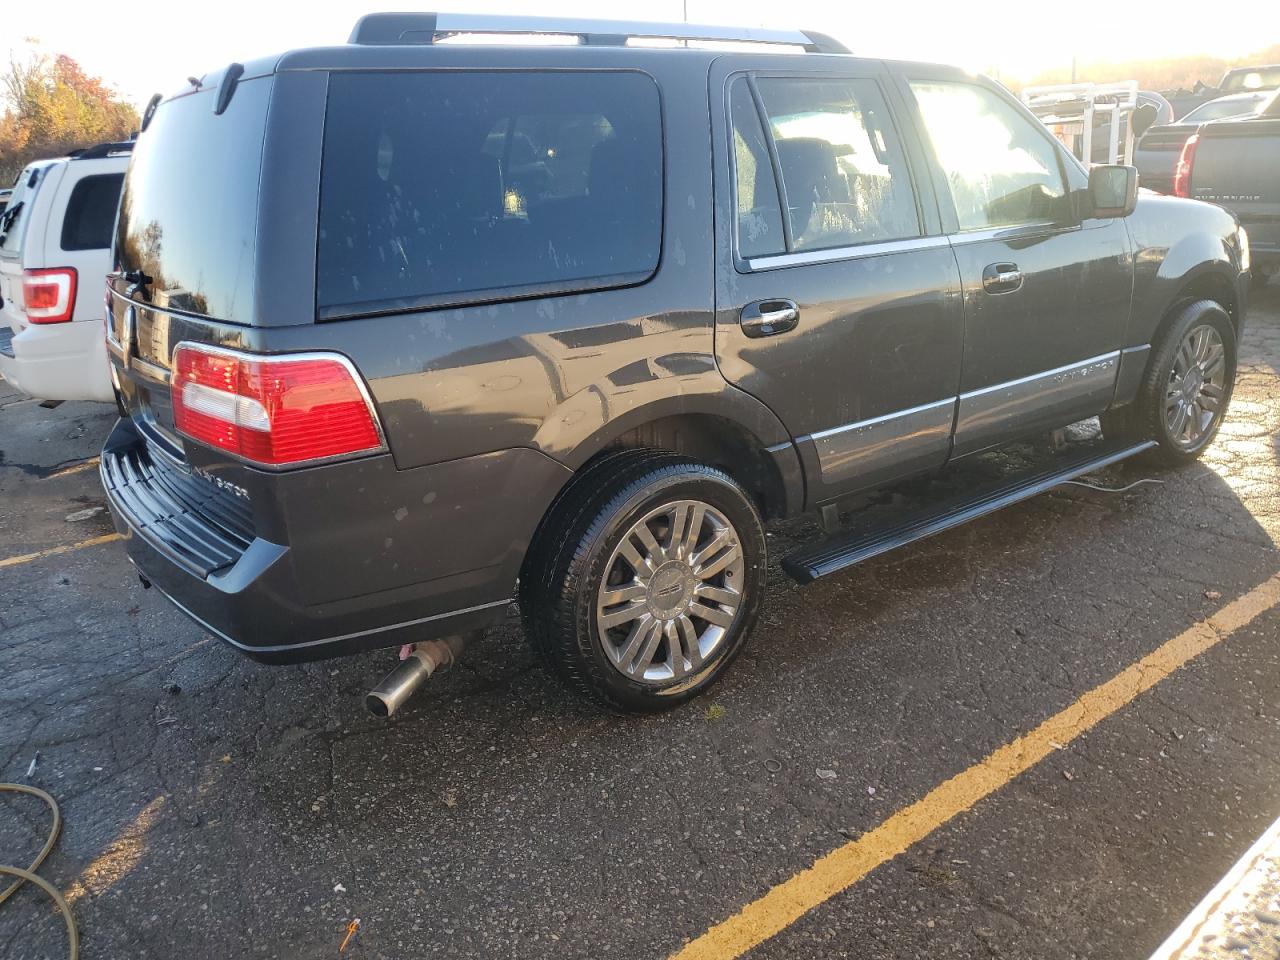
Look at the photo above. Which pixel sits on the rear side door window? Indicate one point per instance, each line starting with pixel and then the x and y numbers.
pixel 759 208
pixel 1002 170
pixel 91 212
pixel 471 186
pixel 844 171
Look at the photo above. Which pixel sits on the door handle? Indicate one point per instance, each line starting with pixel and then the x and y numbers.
pixel 765 318
pixel 1001 278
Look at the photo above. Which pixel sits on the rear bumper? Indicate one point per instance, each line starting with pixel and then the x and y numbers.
pixel 58 361
pixel 301 591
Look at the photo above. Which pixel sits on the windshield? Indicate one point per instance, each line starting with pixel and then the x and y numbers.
pixel 1251 78
pixel 14 219
pixel 1222 109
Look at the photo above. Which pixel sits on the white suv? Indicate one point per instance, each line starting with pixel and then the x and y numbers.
pixel 55 251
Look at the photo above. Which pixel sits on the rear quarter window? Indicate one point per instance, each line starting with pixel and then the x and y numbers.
pixel 91 212
pixel 467 186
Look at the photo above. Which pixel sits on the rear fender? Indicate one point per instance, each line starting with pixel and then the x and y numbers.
pixel 596 416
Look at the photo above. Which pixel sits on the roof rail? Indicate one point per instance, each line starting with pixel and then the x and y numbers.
pixel 398 28
pixel 100 150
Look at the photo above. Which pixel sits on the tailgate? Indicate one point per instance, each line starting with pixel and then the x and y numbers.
pixel 1236 165
pixel 17 233
pixel 140 339
pixel 185 248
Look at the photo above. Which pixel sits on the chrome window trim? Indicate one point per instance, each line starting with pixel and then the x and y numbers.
pixel 1017 231
pixel 170 311
pixel 835 254
pixel 1101 359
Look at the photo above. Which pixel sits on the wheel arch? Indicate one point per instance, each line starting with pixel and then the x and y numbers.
pixel 1206 283
pixel 713 422
pixel 1197 268
pixel 770 474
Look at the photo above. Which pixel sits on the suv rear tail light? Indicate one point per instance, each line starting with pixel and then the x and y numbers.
pixel 274 411
pixel 1182 172
pixel 49 296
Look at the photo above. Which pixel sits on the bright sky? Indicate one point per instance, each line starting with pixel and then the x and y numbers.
pixel 145 46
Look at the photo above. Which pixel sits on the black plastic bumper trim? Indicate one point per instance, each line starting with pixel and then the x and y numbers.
pixel 288 647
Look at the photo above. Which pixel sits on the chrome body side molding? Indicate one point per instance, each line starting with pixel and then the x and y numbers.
pixel 990 415
pixel 905 441
pixel 905 438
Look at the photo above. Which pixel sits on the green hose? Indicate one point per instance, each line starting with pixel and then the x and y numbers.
pixel 29 874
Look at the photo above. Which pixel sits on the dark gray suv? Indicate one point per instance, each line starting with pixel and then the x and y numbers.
pixel 405 330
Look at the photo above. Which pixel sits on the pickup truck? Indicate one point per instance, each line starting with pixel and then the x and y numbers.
pixel 1236 164
pixel 1156 154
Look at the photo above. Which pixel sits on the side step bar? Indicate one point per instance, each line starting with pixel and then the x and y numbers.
pixel 854 546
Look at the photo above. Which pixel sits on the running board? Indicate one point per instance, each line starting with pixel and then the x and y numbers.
pixel 854 546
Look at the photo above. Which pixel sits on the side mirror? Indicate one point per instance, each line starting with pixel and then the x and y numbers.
pixel 1143 117
pixel 1113 191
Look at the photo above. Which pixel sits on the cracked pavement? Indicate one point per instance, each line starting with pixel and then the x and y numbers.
pixel 216 807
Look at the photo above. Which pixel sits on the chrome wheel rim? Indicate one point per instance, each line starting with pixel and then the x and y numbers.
pixel 1196 387
pixel 671 592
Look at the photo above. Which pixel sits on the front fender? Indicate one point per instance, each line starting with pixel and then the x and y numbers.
pixel 1178 243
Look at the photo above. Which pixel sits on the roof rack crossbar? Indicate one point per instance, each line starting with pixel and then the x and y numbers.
pixel 400 28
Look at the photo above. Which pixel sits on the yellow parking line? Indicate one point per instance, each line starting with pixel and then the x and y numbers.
pixel 846 865
pixel 54 551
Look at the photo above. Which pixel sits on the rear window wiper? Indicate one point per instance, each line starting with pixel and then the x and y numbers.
pixel 7 218
pixel 138 281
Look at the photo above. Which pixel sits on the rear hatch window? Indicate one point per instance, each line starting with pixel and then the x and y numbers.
pixel 189 214
pixel 187 227
pixel 16 216
pixel 469 186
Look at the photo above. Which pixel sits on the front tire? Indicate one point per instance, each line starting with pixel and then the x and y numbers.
pixel 1186 388
pixel 645 580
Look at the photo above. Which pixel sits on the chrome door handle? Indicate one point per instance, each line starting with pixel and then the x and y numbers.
pixel 1001 278
pixel 765 318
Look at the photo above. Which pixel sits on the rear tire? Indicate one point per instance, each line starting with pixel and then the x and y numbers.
pixel 1186 387
pixel 645 580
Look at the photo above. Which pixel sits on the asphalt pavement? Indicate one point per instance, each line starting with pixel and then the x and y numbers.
pixel 219 808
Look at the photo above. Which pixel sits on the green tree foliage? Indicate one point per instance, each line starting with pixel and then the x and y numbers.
pixel 51 106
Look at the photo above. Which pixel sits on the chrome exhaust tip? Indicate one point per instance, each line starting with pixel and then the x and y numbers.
pixel 399 685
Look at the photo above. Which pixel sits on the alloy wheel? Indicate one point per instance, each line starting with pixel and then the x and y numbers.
pixel 671 592
pixel 1196 388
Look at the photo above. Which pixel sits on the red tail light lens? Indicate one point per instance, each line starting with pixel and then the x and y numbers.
pixel 49 296
pixel 1182 172
pixel 273 411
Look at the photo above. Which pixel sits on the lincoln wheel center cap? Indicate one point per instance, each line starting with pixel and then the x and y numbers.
pixel 670 590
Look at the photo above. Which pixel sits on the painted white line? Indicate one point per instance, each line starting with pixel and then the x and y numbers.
pixel 1240 914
